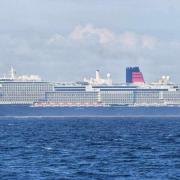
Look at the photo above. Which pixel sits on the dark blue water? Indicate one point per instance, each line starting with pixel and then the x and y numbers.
pixel 90 149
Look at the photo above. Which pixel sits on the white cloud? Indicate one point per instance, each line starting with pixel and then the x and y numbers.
pixel 129 39
pixel 86 48
pixel 104 35
pixel 149 41
pixel 55 39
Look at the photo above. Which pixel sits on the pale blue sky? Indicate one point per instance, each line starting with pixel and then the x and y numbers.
pixel 70 39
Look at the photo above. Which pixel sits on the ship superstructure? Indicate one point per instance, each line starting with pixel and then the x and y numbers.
pixel 32 90
pixel 135 92
pixel 23 89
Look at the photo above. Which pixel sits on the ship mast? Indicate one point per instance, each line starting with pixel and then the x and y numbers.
pixel 12 73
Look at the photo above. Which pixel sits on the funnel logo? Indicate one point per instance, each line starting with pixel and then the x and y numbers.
pixel 134 75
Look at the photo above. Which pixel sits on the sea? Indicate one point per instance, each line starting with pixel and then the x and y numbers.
pixel 89 148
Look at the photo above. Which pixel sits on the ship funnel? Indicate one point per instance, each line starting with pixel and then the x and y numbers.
pixel 134 75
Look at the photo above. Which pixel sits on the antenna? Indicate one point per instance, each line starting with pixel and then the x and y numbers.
pixel 12 73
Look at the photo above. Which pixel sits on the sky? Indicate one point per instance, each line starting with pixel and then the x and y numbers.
pixel 67 40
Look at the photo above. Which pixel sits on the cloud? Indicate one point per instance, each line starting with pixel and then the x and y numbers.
pixel 56 39
pixel 80 33
pixel 94 47
pixel 105 37
pixel 129 40
pixel 86 48
pixel 149 41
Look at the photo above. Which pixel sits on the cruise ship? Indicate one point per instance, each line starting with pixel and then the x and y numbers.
pixel 30 96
